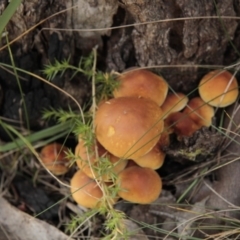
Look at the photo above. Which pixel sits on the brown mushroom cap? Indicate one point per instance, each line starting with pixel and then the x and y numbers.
pixel 142 83
pixel 174 102
pixel 86 157
pixel 55 159
pixel 219 88
pixel 153 159
pixel 200 112
pixel 181 124
pixel 85 190
pixel 128 127
pixel 139 185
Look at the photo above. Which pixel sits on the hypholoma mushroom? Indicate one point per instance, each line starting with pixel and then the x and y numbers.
pixel 54 158
pixel 153 159
pixel 88 161
pixel 128 127
pixel 142 83
pixel 218 88
pixel 181 124
pixel 200 112
pixel 85 191
pixel 174 102
pixel 139 185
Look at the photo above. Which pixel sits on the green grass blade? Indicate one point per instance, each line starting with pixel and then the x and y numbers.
pixel 57 131
pixel 8 13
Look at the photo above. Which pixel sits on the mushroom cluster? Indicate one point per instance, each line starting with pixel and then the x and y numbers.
pixel 127 127
pixel 218 88
pixel 135 125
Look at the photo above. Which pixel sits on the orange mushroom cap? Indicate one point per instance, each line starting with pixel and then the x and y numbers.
pixel 85 190
pixel 87 160
pixel 181 124
pixel 153 159
pixel 54 158
pixel 200 112
pixel 218 88
pixel 139 185
pixel 142 83
pixel 174 102
pixel 128 127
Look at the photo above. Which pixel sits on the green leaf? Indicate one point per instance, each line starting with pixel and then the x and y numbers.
pixel 8 13
pixel 54 132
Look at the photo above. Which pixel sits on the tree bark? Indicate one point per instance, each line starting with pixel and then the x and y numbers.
pixel 206 41
pixel 185 42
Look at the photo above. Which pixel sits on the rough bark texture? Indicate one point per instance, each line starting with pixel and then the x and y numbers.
pixel 200 41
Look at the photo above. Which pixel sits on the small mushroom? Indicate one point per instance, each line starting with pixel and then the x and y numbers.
pixel 139 185
pixel 181 124
pixel 88 162
pixel 153 159
pixel 218 88
pixel 85 191
pixel 142 83
pixel 54 158
pixel 200 112
pixel 128 127
pixel 174 102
